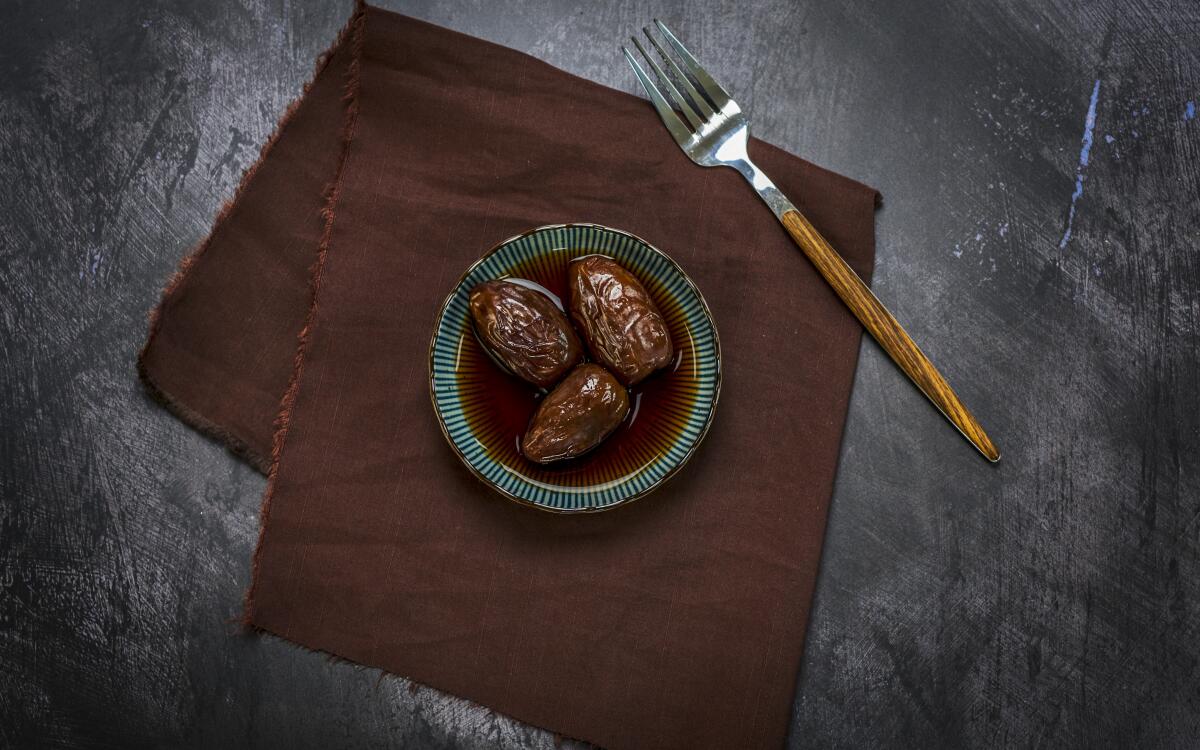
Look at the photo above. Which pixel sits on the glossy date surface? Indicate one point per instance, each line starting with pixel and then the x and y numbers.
pixel 576 416
pixel 525 331
pixel 623 328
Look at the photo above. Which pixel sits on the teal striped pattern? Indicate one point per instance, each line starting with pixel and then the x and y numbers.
pixel 678 404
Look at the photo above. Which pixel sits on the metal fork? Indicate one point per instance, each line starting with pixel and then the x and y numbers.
pixel 715 135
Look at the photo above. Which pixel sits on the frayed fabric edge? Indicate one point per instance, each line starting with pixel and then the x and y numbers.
pixel 413 687
pixel 199 422
pixel 356 30
pixel 235 443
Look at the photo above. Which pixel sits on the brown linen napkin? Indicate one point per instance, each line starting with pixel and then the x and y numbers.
pixel 677 621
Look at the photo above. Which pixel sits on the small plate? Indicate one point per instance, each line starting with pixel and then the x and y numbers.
pixel 483 412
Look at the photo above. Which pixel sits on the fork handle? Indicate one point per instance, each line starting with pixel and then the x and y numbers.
pixel 883 326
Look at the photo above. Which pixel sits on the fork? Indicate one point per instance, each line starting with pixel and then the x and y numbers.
pixel 715 135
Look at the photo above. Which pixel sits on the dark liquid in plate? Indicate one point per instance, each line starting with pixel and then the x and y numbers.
pixel 499 405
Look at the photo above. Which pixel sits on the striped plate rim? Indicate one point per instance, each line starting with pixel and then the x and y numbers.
pixel 453 321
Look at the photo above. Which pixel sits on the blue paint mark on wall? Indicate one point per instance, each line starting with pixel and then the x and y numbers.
pixel 1089 126
pixel 1189 111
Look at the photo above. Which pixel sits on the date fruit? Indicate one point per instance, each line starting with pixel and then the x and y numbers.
pixel 525 331
pixel 623 328
pixel 576 416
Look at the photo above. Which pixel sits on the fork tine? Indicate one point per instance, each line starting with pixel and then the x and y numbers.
pixel 669 118
pixel 668 87
pixel 700 103
pixel 704 82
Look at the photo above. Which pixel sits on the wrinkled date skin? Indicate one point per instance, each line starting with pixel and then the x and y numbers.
pixel 576 416
pixel 623 328
pixel 525 330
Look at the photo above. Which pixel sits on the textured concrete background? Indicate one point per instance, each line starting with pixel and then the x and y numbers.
pixel 1039 238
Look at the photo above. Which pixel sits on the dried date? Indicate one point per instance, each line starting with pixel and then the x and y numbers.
pixel 622 326
pixel 525 331
pixel 576 416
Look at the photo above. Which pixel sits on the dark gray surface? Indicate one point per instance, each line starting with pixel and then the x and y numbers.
pixel 1048 601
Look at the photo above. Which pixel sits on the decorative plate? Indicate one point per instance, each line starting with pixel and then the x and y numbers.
pixel 483 411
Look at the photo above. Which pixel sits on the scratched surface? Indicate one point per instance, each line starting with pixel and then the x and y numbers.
pixel 1039 162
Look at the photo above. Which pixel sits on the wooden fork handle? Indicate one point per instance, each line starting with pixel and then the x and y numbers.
pixel 886 330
